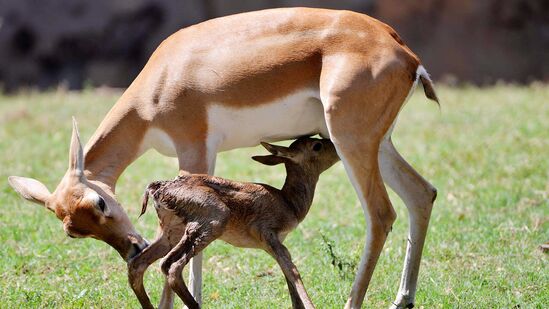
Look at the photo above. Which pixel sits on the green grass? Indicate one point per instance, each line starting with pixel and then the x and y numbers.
pixel 487 152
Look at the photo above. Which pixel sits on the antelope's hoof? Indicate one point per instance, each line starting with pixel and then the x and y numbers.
pixel 408 306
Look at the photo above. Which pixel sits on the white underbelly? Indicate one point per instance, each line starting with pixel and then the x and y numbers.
pixel 160 141
pixel 298 114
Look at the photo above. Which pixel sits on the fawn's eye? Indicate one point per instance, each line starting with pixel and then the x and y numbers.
pixel 101 204
pixel 317 146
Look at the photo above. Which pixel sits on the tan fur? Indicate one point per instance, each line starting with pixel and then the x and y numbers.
pixel 363 72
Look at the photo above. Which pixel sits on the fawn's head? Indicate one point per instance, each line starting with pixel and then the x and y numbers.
pixel 309 155
pixel 86 208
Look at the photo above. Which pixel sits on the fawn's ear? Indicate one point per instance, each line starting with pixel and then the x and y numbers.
pixel 280 151
pixel 30 189
pixel 269 160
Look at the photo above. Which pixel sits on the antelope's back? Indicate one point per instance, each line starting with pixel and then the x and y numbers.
pixel 256 57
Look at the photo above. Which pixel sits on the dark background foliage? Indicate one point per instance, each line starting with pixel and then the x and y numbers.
pixel 45 43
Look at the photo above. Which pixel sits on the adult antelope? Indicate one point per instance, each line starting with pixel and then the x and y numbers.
pixel 263 76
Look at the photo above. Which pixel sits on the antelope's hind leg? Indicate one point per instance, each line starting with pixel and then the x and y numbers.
pixel 361 103
pixel 418 195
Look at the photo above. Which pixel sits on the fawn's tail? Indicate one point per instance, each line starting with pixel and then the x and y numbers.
pixel 150 190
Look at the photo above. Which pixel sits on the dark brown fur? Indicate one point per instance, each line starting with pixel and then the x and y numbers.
pixel 194 210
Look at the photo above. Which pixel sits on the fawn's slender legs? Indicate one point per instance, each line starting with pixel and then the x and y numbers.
pixel 138 266
pixel 201 161
pixel 181 250
pixel 294 296
pixel 197 236
pixel 295 285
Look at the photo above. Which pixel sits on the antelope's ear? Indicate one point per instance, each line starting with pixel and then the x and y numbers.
pixel 269 160
pixel 30 189
pixel 76 154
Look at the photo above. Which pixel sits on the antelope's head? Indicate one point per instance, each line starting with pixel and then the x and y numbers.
pixel 86 208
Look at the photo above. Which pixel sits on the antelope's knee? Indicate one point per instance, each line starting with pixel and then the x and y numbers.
pixel 383 222
pixel 433 194
pixel 424 205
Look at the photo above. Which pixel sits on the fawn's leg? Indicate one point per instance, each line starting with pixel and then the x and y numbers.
pixel 197 236
pixel 294 296
pixel 197 159
pixel 418 196
pixel 184 245
pixel 284 260
pixel 167 297
pixel 138 266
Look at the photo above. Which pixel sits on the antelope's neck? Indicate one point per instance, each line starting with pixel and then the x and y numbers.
pixel 299 191
pixel 115 144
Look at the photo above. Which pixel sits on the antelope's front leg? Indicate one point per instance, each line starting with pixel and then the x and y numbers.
pixel 166 300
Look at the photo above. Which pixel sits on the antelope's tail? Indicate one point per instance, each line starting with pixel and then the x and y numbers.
pixel 427 83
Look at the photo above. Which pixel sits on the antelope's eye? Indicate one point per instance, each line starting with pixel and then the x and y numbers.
pixel 101 204
pixel 317 146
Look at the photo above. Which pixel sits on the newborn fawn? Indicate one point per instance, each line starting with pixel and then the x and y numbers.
pixel 195 210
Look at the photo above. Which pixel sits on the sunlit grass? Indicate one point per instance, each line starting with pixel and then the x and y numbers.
pixel 486 150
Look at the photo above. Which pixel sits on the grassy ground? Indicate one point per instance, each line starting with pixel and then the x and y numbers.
pixel 487 151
